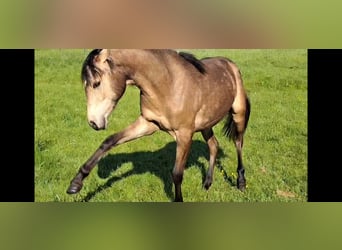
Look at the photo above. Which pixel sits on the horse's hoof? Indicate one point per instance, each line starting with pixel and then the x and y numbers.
pixel 178 199
pixel 207 184
pixel 241 186
pixel 74 188
pixel 208 181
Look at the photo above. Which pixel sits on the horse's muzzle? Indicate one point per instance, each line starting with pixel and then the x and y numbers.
pixel 95 126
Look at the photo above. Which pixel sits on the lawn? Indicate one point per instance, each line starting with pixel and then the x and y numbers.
pixel 275 144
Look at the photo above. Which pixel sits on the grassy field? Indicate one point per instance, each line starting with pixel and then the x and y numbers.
pixel 275 145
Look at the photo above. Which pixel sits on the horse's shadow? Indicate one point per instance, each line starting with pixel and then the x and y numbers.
pixel 160 163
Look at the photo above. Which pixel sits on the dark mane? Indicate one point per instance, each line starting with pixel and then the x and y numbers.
pixel 88 65
pixel 194 61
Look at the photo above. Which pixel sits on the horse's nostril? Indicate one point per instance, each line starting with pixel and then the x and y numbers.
pixel 93 125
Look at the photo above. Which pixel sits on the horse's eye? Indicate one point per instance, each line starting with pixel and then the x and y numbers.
pixel 96 84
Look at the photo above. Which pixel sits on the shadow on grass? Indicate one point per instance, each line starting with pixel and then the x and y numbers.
pixel 160 163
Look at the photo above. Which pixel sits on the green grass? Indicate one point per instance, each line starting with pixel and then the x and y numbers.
pixel 275 145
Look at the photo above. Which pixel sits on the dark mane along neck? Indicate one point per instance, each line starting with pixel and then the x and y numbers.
pixel 194 61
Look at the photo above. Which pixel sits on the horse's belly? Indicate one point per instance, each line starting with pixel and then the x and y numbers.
pixel 208 117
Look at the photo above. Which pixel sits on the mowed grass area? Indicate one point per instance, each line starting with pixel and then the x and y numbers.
pixel 275 145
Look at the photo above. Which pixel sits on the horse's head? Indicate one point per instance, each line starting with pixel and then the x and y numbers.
pixel 105 83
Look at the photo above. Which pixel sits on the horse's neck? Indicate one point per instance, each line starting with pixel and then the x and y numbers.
pixel 136 59
pixel 147 68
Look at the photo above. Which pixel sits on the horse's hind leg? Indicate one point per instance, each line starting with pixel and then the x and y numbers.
pixel 209 137
pixel 241 180
pixel 240 117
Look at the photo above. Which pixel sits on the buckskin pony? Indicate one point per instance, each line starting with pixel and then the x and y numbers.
pixel 179 94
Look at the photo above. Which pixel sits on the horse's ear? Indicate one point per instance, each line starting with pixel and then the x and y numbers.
pixel 102 56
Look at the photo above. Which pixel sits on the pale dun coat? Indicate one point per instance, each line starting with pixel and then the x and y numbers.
pixel 180 95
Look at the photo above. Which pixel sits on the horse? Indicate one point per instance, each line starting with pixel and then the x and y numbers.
pixel 179 94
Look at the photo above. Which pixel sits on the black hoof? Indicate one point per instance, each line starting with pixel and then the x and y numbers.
pixel 74 188
pixel 207 185
pixel 178 199
pixel 241 185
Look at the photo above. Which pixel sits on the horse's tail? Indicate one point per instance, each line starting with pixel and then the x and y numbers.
pixel 230 127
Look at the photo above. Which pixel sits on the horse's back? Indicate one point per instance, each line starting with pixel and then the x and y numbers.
pixel 220 66
pixel 218 91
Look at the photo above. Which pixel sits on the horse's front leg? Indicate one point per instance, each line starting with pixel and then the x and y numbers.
pixel 184 139
pixel 141 127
